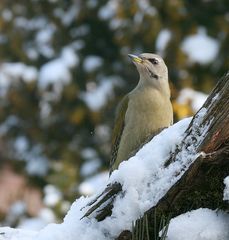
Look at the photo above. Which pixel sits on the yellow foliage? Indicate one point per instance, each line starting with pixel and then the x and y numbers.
pixel 181 110
pixel 95 116
pixel 78 115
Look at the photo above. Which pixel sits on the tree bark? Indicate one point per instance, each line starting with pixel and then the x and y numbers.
pixel 202 184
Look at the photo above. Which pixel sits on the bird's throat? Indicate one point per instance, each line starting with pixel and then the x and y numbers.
pixel 152 74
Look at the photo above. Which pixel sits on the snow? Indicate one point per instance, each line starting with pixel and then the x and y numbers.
pixel 92 3
pixel 88 153
pixel 97 96
pixel 18 215
pixel 52 196
pixel 68 16
pixel 7 233
pixel 47 215
pixel 21 144
pixel 32 24
pixel 92 62
pixel 80 31
pixel 108 10
pixel 69 57
pixel 16 210
pixel 18 70
pixel 31 224
pixel 146 7
pixel 102 133
pixel 90 167
pixel 13 72
pixel 200 47
pixel 116 23
pixel 163 39
pixel 226 190
pixel 57 71
pixel 7 15
pixel 94 184
pixel 65 206
pixel 21 70
pixel 92 162
pixel 10 122
pixel 3 38
pixel 196 98
pixel 31 53
pixel 45 107
pixel 147 182
pixel 45 35
pixel 44 217
pixel 144 181
pixel 201 224
pixel 36 163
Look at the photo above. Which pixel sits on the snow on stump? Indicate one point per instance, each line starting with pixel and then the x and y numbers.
pixel 190 177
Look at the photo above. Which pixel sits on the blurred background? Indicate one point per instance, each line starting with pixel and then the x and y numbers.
pixel 63 70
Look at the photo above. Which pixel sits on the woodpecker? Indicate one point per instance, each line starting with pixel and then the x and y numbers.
pixel 143 111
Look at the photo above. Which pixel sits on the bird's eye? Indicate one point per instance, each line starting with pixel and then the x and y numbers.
pixel 154 61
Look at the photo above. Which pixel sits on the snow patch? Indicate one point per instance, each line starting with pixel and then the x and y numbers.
pixel 54 72
pixel 88 153
pixel 7 15
pixel 44 217
pixel 200 224
pixel 90 167
pixel 162 41
pixel 148 180
pixel 97 95
pixel 147 8
pixel 43 40
pixel 57 72
pixel 200 47
pixel 13 72
pixel 7 233
pixel 92 62
pixel 52 196
pixel 196 98
pixel 33 24
pixel 36 163
pixel 108 10
pixel 94 184
pixel 10 122
pixel 68 16
pixel 226 190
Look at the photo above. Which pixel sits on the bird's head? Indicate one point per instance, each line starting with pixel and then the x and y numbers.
pixel 152 69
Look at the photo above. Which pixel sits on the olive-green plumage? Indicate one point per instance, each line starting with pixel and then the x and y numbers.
pixel 144 110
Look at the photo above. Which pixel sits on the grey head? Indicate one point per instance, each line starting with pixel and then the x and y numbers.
pixel 152 70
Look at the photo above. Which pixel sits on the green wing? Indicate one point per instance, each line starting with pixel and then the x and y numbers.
pixel 118 129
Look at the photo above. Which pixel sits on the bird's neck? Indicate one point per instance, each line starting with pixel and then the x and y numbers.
pixel 160 85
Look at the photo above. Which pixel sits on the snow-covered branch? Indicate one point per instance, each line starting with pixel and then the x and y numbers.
pixel 205 141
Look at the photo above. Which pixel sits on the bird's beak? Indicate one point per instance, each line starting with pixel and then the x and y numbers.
pixel 135 58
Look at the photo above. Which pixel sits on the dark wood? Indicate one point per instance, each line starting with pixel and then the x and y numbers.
pixel 202 184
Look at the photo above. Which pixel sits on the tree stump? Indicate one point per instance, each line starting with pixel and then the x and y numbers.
pixel 202 184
